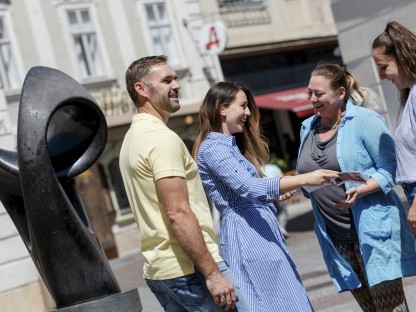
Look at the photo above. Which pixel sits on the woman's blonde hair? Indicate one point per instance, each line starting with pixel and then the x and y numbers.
pixel 250 142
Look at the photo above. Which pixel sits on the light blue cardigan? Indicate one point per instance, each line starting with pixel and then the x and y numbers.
pixel 387 246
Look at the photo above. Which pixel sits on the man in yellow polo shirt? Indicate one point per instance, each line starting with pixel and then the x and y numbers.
pixel 182 267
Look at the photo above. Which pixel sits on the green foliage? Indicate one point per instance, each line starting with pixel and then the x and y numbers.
pixel 278 162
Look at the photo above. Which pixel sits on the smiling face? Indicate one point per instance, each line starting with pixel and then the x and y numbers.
pixel 326 101
pixel 235 115
pixel 163 89
pixel 390 69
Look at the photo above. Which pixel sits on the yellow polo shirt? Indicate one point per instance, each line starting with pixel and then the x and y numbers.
pixel 152 151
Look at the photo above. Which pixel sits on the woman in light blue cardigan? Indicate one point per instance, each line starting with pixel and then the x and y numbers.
pixel 362 228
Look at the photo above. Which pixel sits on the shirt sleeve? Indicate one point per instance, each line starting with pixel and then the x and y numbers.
pixel 379 143
pixel 166 157
pixel 220 160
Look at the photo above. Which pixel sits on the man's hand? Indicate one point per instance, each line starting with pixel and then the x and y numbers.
pixel 173 194
pixel 221 290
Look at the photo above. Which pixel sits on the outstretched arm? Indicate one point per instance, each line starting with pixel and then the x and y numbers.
pixel 173 194
pixel 314 178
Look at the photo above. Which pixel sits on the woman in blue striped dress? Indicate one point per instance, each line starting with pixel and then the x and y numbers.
pixel 229 152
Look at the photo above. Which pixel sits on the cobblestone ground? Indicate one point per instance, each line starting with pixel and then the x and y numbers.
pixel 306 254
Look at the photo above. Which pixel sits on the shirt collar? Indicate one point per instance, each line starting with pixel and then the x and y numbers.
pixel 230 139
pixel 146 116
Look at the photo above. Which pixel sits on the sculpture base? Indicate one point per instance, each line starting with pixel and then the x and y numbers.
pixel 126 301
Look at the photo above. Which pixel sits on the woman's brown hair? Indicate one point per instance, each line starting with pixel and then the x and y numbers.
pixel 400 43
pixel 250 142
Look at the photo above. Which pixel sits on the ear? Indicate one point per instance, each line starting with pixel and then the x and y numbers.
pixel 140 88
pixel 223 111
pixel 341 93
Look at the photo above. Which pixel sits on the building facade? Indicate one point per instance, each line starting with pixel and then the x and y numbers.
pixel 93 41
pixel 356 33
pixel 273 45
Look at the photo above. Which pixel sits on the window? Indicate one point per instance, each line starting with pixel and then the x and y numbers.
pixel 118 186
pixel 9 78
pixel 241 3
pixel 161 32
pixel 86 45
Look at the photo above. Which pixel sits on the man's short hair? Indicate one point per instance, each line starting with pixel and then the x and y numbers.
pixel 139 69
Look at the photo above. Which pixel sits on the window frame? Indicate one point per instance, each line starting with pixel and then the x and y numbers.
pixel 64 8
pixel 16 58
pixel 141 11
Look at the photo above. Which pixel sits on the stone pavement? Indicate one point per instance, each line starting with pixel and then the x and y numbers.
pixel 305 252
pixel 129 273
pixel 307 255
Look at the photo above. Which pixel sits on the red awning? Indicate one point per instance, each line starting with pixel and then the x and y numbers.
pixel 295 100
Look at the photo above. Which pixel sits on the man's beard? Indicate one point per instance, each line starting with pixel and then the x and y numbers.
pixel 164 102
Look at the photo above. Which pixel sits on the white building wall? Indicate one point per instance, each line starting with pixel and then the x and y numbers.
pixel 192 16
pixel 39 30
pixel 40 33
pixel 124 35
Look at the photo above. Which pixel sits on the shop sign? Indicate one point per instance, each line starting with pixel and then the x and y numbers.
pixel 212 38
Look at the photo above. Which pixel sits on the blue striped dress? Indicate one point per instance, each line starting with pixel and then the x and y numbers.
pixel 250 239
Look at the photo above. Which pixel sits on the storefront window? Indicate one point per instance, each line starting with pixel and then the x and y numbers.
pixel 118 186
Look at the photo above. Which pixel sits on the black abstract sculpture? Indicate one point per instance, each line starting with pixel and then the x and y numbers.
pixel 61 133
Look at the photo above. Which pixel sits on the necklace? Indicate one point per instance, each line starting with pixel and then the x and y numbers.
pixel 323 128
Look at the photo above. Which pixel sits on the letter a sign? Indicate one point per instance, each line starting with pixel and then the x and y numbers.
pixel 212 38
